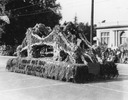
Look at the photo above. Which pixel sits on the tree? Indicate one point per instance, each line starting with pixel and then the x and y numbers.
pixel 85 29
pixel 75 20
pixel 26 13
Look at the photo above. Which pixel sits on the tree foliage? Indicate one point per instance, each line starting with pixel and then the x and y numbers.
pixel 85 29
pixel 26 13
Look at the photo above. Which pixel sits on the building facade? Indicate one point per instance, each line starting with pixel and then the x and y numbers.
pixel 112 36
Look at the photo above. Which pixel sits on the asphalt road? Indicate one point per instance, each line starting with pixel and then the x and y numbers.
pixel 15 86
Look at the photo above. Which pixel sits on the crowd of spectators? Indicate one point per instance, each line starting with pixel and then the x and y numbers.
pixel 116 55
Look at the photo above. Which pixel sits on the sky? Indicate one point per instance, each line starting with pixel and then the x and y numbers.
pixel 109 10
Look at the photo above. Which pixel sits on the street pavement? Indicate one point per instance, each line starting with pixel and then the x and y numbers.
pixel 15 86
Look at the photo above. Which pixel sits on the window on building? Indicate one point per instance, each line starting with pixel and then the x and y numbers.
pixel 105 38
pixel 122 38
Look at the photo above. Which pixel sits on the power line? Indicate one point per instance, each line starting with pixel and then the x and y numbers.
pixel 81 3
pixel 41 11
pixel 24 7
pixel 68 4
pixel 30 14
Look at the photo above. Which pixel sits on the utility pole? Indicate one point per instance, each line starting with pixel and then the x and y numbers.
pixel 92 22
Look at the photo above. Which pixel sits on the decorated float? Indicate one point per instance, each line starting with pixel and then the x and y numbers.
pixel 60 54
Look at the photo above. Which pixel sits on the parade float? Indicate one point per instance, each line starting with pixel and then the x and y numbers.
pixel 60 54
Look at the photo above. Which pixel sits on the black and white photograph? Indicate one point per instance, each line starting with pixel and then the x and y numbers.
pixel 63 50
